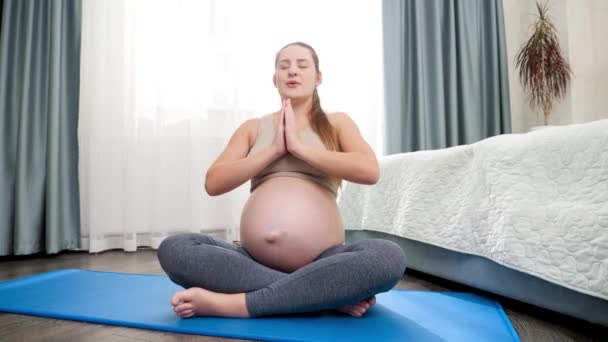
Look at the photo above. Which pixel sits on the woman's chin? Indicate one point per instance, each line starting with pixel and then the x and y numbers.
pixel 295 96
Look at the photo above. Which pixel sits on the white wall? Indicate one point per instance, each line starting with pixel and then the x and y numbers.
pixel 588 37
pixel 583 30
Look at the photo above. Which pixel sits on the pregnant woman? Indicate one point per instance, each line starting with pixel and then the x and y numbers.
pixel 292 256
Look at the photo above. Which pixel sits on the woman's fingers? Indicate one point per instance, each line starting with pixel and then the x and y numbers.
pixel 283 105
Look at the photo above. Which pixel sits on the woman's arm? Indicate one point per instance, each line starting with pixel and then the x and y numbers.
pixel 233 167
pixel 355 163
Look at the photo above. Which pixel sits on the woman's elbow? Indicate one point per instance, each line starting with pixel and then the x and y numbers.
pixel 374 175
pixel 370 176
pixel 209 189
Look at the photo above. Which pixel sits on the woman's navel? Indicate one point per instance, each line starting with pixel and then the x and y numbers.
pixel 273 235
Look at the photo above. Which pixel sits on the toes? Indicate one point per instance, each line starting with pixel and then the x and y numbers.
pixel 185 313
pixel 358 309
pixel 356 313
pixel 363 306
pixel 352 310
pixel 177 298
pixel 185 296
pixel 183 306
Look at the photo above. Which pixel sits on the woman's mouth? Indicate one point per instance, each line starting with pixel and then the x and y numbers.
pixel 292 84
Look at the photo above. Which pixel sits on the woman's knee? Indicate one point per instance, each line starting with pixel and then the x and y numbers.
pixel 172 247
pixel 397 257
pixel 392 260
pixel 166 249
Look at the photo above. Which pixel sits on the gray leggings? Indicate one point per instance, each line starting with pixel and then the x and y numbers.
pixel 342 275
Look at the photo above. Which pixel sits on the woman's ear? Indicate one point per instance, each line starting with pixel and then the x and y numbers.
pixel 319 78
pixel 274 80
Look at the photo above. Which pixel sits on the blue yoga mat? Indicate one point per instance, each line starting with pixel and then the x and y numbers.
pixel 142 301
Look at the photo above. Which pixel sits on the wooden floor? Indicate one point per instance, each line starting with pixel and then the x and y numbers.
pixel 532 324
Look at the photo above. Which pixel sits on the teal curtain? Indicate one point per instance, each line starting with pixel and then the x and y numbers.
pixel 39 89
pixel 446 79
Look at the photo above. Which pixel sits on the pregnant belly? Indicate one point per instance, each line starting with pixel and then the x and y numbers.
pixel 288 222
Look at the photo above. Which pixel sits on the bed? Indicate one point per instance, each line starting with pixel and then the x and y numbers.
pixel 521 215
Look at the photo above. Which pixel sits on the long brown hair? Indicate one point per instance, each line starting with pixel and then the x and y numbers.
pixel 318 119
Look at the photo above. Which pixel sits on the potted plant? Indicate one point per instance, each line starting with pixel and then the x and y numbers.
pixel 543 72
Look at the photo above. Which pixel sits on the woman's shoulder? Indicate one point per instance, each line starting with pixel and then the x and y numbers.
pixel 339 119
pixel 252 126
pixel 336 114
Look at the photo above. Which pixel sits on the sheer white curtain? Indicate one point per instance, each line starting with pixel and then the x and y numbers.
pixel 164 84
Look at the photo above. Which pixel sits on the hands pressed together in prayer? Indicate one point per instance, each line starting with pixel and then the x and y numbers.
pixel 286 139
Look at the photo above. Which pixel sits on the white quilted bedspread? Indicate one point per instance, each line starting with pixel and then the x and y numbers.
pixel 534 202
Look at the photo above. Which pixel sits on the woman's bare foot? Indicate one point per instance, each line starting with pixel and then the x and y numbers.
pixel 358 309
pixel 196 301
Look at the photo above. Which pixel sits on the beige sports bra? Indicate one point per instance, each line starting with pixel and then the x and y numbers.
pixel 288 166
